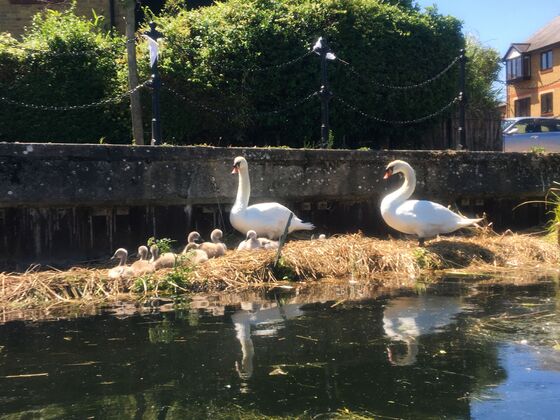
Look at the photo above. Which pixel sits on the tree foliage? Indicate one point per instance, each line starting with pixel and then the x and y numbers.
pixel 223 57
pixel 226 65
pixel 63 60
pixel 483 68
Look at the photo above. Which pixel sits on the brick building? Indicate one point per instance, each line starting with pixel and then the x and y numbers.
pixel 15 15
pixel 533 74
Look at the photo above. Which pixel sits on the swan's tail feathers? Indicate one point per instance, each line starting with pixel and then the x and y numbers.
pixel 307 226
pixel 299 225
pixel 468 222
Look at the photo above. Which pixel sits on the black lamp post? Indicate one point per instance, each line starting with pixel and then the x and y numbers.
pixel 325 94
pixel 154 34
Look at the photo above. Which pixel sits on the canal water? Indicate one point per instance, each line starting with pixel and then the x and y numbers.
pixel 452 350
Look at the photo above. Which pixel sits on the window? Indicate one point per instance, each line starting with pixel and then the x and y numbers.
pixel 546 60
pixel 523 107
pixel 550 125
pixel 518 68
pixel 546 103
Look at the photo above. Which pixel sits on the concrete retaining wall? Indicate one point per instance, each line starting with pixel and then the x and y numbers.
pixel 73 202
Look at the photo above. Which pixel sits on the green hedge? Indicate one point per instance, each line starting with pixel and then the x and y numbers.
pixel 211 54
pixel 63 60
pixel 220 57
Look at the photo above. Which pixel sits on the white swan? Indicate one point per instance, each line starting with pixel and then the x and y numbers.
pixel 121 270
pixel 267 219
pixel 422 218
pixel 142 266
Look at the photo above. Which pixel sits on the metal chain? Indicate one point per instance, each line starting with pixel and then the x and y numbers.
pixel 68 53
pixel 105 101
pixel 401 87
pixel 235 110
pixel 114 50
pixel 269 68
pixel 399 122
pixel 286 109
pixel 278 66
pixel 190 101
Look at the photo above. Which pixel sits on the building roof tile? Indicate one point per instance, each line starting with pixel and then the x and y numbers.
pixel 547 35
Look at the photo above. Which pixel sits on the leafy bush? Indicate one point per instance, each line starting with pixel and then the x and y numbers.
pixel 211 56
pixel 63 60
pixel 222 60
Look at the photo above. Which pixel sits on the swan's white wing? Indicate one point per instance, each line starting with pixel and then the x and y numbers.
pixel 426 218
pixel 267 219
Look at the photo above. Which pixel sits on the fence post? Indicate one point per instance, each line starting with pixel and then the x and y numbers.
pixel 154 34
pixel 322 48
pixel 462 100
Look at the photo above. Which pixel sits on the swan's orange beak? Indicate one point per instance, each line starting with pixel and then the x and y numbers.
pixel 388 173
pixel 235 170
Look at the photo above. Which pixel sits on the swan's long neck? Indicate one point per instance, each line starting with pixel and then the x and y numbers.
pixel 406 189
pixel 243 190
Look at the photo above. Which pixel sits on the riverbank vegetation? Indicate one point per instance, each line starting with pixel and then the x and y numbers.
pixel 353 257
pixel 227 67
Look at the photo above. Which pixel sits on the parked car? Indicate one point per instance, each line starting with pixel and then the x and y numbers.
pixel 530 134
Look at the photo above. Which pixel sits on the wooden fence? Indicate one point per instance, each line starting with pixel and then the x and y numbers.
pixel 483 132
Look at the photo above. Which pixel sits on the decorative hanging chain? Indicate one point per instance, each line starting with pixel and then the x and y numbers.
pixel 402 87
pixel 287 108
pixel 50 53
pixel 105 101
pixel 278 66
pixel 399 122
pixel 114 50
pixel 268 68
pixel 231 111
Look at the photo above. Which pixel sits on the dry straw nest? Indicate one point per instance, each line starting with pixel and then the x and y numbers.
pixel 341 256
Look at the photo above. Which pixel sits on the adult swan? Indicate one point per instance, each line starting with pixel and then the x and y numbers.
pixel 267 219
pixel 422 218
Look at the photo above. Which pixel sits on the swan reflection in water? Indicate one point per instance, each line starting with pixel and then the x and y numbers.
pixel 266 319
pixel 407 318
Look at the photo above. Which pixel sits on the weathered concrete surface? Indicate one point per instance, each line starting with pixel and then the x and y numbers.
pixel 89 175
pixel 67 203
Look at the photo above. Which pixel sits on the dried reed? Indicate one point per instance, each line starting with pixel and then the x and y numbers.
pixel 342 256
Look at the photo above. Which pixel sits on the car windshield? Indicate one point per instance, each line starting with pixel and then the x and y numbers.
pixel 506 124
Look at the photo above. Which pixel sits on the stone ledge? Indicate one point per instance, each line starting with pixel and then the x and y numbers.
pixel 54 175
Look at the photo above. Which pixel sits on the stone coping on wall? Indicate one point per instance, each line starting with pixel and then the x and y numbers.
pixel 54 175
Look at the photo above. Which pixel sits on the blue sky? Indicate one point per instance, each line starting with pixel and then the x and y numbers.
pixel 498 23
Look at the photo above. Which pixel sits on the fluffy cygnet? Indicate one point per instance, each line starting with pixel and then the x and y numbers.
pixel 142 266
pixel 251 242
pixel 121 270
pixel 215 248
pixel 165 260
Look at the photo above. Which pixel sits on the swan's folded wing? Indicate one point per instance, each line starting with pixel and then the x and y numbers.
pixel 427 213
